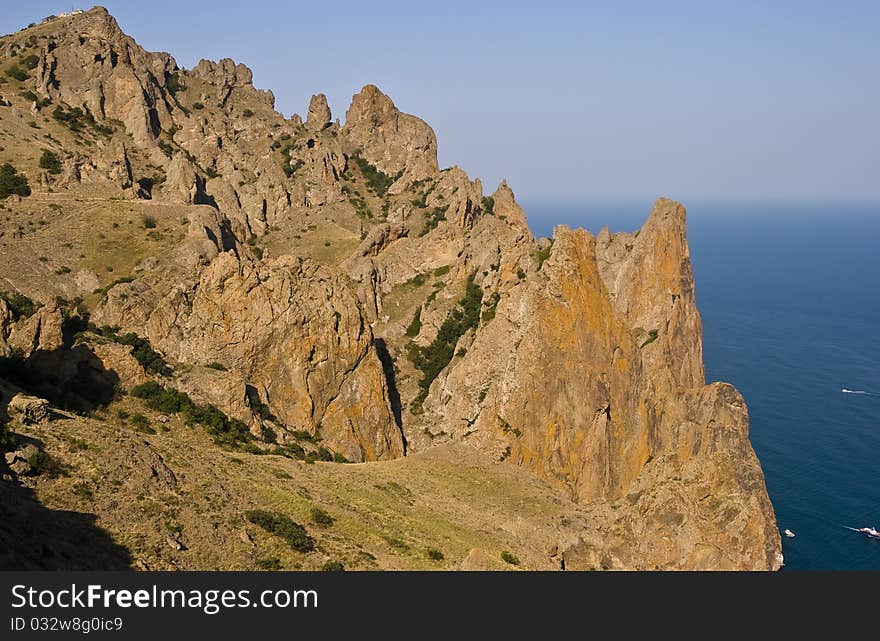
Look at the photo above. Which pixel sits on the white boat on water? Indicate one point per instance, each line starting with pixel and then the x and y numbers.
pixel 788 533
pixel 867 531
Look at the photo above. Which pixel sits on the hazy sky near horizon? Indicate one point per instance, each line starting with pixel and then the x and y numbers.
pixel 572 101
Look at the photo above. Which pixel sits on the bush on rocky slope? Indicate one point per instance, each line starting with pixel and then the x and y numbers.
pixel 226 431
pixel 283 526
pixel 431 360
pixel 50 162
pixel 12 183
pixel 20 305
pixel 377 180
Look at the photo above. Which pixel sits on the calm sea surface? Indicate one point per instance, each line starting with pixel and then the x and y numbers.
pixel 790 300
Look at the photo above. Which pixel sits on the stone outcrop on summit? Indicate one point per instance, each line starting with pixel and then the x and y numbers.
pixel 399 144
pixel 324 291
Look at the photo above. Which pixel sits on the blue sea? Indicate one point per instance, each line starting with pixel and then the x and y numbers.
pixel 790 301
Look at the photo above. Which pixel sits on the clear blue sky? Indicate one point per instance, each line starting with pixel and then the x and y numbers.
pixel 573 101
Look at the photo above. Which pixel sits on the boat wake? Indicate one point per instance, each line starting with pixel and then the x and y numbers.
pixel 870 532
pixel 858 391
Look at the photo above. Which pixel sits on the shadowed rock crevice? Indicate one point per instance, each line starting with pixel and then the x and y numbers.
pixel 390 381
pixel 74 378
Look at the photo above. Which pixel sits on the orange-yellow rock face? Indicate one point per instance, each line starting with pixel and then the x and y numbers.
pixel 591 375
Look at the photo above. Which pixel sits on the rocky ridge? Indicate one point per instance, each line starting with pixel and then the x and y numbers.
pixel 327 283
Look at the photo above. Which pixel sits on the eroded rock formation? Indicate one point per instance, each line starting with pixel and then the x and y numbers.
pixel 332 284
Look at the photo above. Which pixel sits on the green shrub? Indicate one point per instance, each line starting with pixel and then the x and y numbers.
pixel 247 113
pixel 489 205
pixel 76 119
pixel 42 464
pixel 140 422
pixel 284 527
pixel 416 325
pixel 520 273
pixel 198 105
pixel 541 255
pixel 151 360
pixel 31 61
pixel 507 557
pixel 272 564
pixel 293 449
pixel 291 169
pixel 433 219
pixel 357 201
pixel 218 366
pixel 321 518
pixel 50 162
pixel 12 183
pixel 148 391
pixel 14 71
pixel 173 83
pixel 224 430
pixel 103 292
pixel 29 95
pixel 492 305
pixel 333 566
pixel 323 454
pixel 652 336
pixel 431 360
pixel 167 149
pixel 421 202
pixel 435 554
pixel 377 180
pixel 305 435
pixel 396 543
pixel 149 222
pixel 268 434
pixel 442 271
pixel 20 305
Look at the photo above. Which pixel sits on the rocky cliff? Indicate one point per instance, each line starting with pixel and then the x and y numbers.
pixel 316 291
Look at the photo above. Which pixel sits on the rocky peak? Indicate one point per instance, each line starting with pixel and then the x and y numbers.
pixel 230 78
pixel 319 115
pixel 651 283
pixel 504 204
pixel 397 143
pixel 224 73
pixel 85 61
